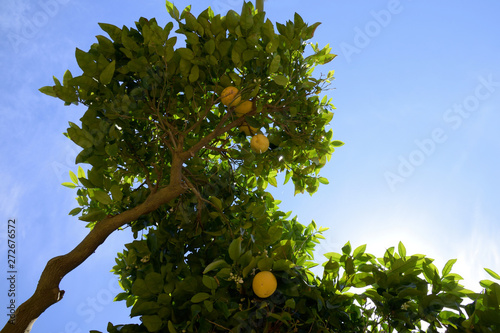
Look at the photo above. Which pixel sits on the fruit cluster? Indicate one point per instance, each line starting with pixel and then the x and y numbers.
pixel 231 97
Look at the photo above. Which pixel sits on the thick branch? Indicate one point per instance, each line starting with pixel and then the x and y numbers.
pixel 48 292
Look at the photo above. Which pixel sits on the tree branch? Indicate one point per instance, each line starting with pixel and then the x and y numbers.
pixel 259 4
pixel 48 293
pixel 217 132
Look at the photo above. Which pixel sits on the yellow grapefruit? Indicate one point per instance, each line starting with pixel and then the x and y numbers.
pixel 259 143
pixel 230 96
pixel 264 284
pixel 248 130
pixel 243 108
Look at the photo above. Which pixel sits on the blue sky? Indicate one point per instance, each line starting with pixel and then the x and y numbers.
pixel 417 92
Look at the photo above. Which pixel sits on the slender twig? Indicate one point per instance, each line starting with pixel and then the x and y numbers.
pixel 211 322
pixel 203 117
pixel 260 5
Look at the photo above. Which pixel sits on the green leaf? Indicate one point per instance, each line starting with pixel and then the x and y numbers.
pixel 430 272
pixel 272 181
pixel 281 265
pixel 290 303
pixel 323 180
pixel 249 267
pixel 116 192
pixel 195 73
pixel 310 30
pixel 275 233
pixel 232 20
pixel 209 282
pixel 288 175
pixel 67 78
pixel 154 281
pixel 401 250
pixel 216 264
pixel 486 283
pixel 85 61
pixel 275 64
pixel 236 78
pixel 48 90
pixel 265 264
pixel 102 197
pixel 144 308
pixel 68 184
pixel 174 13
pixel 281 80
pixel 245 258
pixel 199 297
pixel 493 274
pixel 447 267
pixel 363 279
pixel 85 182
pixel 81 173
pixel 107 74
pixel 359 251
pixel 77 136
pixel 337 143
pixel 347 248
pixel 401 266
pixel 171 328
pixel 186 53
pixel 248 55
pixel 106 46
pixel 210 46
pixel 73 177
pixel 153 323
pixel 93 215
pixel 209 305
pixel 235 249
pixel 140 288
pixel 112 150
pixel 349 266
pixel 113 31
pixel 217 202
pixel 75 211
pixel 235 57
pixel 333 255
pixel 246 19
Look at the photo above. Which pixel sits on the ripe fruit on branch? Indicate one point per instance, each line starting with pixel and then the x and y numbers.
pixel 230 96
pixel 259 143
pixel 264 284
pixel 248 130
pixel 243 108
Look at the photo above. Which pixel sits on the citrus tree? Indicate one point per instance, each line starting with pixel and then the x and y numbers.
pixel 183 132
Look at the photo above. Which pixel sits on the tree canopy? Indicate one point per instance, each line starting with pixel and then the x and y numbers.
pixel 169 160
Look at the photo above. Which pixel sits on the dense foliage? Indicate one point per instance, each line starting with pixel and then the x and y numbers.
pixel 154 119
